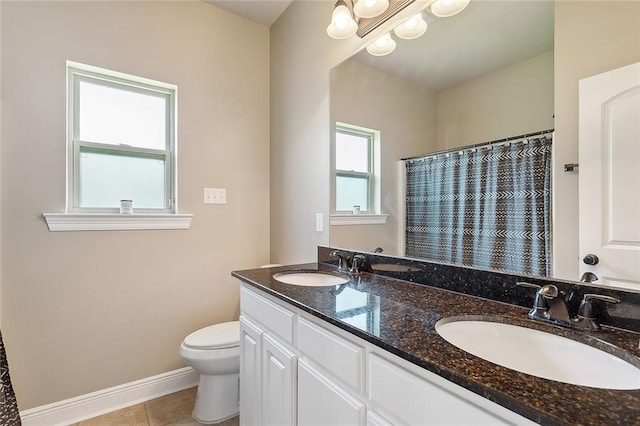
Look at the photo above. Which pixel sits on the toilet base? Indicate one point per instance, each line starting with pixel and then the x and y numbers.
pixel 217 399
pixel 204 422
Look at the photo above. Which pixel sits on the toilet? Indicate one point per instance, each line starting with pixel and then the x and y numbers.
pixel 214 352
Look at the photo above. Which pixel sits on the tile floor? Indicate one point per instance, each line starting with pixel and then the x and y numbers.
pixel 173 409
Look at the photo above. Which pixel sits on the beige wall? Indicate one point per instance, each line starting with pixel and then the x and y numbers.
pixel 405 114
pixel 590 38
pixel 83 311
pixel 301 57
pixel 509 102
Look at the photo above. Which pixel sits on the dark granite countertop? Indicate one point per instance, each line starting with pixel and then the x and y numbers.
pixel 400 317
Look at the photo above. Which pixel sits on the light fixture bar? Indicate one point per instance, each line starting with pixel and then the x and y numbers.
pixel 370 8
pixel 367 25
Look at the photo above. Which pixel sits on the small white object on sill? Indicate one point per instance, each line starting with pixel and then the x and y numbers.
pixel 356 209
pixel 126 206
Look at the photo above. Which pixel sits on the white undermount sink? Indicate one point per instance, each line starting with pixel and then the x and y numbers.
pixel 311 278
pixel 540 354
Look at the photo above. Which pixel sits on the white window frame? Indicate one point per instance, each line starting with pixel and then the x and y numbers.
pixel 83 219
pixel 373 216
pixel 76 73
pixel 369 176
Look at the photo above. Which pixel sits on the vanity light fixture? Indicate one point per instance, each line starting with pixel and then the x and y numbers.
pixel 342 23
pixel 361 17
pixel 412 28
pixel 370 8
pixel 382 46
pixel 446 8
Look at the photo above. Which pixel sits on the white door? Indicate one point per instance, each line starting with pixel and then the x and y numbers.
pixel 609 144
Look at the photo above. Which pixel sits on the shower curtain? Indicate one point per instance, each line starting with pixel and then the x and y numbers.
pixel 9 414
pixel 486 207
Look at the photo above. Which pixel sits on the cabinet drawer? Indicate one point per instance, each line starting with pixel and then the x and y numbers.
pixel 337 355
pixel 430 399
pixel 274 317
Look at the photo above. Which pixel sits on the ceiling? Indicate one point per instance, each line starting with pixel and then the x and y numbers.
pixel 264 12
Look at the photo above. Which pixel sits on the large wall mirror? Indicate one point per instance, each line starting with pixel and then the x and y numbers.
pixel 482 75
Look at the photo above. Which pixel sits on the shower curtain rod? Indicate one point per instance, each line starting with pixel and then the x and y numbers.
pixel 480 145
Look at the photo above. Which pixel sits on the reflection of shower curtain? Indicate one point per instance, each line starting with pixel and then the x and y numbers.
pixel 488 207
pixel 9 414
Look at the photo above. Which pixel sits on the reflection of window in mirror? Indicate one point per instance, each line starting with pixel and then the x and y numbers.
pixel 356 180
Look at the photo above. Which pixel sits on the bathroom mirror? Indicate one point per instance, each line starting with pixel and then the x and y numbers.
pixel 454 86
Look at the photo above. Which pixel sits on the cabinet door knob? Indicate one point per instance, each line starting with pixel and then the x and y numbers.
pixel 590 259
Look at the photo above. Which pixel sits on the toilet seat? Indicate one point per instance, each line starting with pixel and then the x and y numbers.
pixel 218 336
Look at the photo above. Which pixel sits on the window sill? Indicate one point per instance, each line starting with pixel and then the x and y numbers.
pixel 358 219
pixel 115 222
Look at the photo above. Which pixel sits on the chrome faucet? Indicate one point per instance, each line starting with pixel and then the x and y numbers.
pixel 359 264
pixel 550 305
pixel 343 260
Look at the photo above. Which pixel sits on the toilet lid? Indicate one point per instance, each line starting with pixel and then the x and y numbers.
pixel 218 336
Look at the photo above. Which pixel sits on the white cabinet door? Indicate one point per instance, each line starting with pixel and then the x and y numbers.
pixel 278 383
pixel 321 402
pixel 610 176
pixel 250 373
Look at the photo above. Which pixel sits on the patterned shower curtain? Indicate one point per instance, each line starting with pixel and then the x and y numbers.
pixel 9 414
pixel 486 207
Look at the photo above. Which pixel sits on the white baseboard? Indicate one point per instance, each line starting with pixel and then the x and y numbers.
pixel 94 404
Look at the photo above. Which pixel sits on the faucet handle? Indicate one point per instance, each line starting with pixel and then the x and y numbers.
pixel 526 284
pixel 549 291
pixel 586 309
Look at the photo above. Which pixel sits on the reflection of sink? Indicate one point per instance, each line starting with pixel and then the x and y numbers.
pixel 311 278
pixel 540 354
pixel 392 267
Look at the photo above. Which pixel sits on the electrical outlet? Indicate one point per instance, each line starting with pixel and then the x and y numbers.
pixel 215 196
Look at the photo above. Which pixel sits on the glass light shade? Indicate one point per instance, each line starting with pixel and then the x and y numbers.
pixel 370 8
pixel 382 46
pixel 342 23
pixel 446 8
pixel 412 28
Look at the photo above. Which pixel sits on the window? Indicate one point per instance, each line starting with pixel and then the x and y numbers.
pixel 121 142
pixel 354 169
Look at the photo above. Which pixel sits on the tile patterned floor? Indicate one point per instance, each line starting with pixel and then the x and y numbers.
pixel 170 410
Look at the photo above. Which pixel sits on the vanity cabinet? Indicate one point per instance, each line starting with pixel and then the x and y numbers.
pixel 297 369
